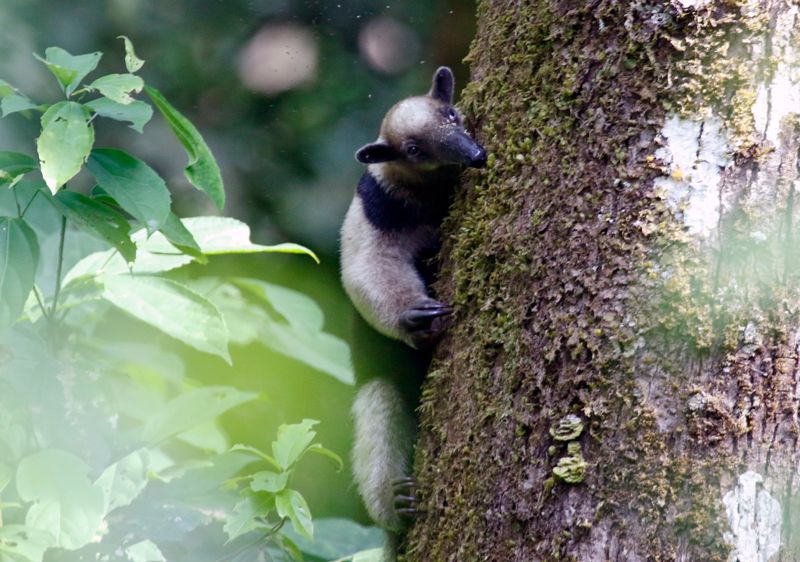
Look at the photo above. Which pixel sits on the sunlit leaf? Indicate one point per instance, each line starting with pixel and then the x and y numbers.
pixel 26 542
pixel 291 504
pixel 66 503
pixel 268 481
pixel 144 551
pixel 202 170
pixel 65 142
pixel 118 87
pixel 132 62
pixel 134 185
pixel 224 235
pixel 69 69
pixel 155 254
pixel 123 481
pixel 137 112
pixel 292 441
pixel 19 257
pixel 172 308
pixel 192 408
pixel 99 220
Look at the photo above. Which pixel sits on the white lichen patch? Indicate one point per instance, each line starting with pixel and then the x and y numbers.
pixel 686 4
pixel 755 520
pixel 696 153
pixel 780 97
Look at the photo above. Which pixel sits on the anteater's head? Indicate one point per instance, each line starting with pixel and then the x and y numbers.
pixel 425 132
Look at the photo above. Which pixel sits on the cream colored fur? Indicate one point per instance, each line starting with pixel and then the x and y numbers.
pixel 384 438
pixel 378 270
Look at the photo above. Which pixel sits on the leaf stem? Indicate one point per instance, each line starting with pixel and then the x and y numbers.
pixel 16 200
pixel 60 265
pixel 36 294
pixel 25 210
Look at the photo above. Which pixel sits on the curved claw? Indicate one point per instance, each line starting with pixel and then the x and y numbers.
pixel 405 500
pixel 422 323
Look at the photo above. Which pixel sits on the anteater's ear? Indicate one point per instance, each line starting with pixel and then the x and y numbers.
pixel 376 152
pixel 443 84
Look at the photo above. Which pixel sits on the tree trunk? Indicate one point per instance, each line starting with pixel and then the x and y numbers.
pixel 620 381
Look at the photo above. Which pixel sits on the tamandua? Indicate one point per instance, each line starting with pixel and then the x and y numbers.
pixel 389 237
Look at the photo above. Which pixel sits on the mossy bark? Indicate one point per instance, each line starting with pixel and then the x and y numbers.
pixel 620 381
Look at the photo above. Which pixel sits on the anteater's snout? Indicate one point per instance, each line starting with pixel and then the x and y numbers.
pixel 478 157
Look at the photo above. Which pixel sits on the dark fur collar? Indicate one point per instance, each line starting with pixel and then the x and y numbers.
pixel 389 212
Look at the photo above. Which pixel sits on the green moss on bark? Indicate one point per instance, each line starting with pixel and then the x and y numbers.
pixel 554 261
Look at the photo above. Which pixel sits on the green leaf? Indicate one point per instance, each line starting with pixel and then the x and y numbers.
pixel 16 103
pixel 134 185
pixel 171 307
pixel 208 437
pixel 336 538
pixel 137 113
pixel 224 235
pixel 320 450
pixel 5 475
pixel 192 408
pixel 13 165
pixel 298 309
pixel 144 551
pixel 324 352
pixel 69 69
pixel 255 452
pixel 99 220
pixel 180 237
pixel 213 235
pixel 66 504
pixel 371 555
pixel 202 170
pixel 268 481
pixel 27 542
pixel 292 441
pixel 65 142
pixel 6 89
pixel 291 504
pixel 19 257
pixel 301 337
pixel 123 481
pixel 243 518
pixel 132 62
pixel 118 87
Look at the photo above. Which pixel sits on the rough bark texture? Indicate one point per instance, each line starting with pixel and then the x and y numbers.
pixel 621 378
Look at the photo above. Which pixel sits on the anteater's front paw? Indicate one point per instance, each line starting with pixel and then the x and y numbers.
pixel 405 498
pixel 425 321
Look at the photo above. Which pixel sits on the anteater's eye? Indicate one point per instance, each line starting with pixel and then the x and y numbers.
pixel 412 149
pixel 452 114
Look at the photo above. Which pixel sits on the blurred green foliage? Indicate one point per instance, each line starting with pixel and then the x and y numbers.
pixel 286 158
